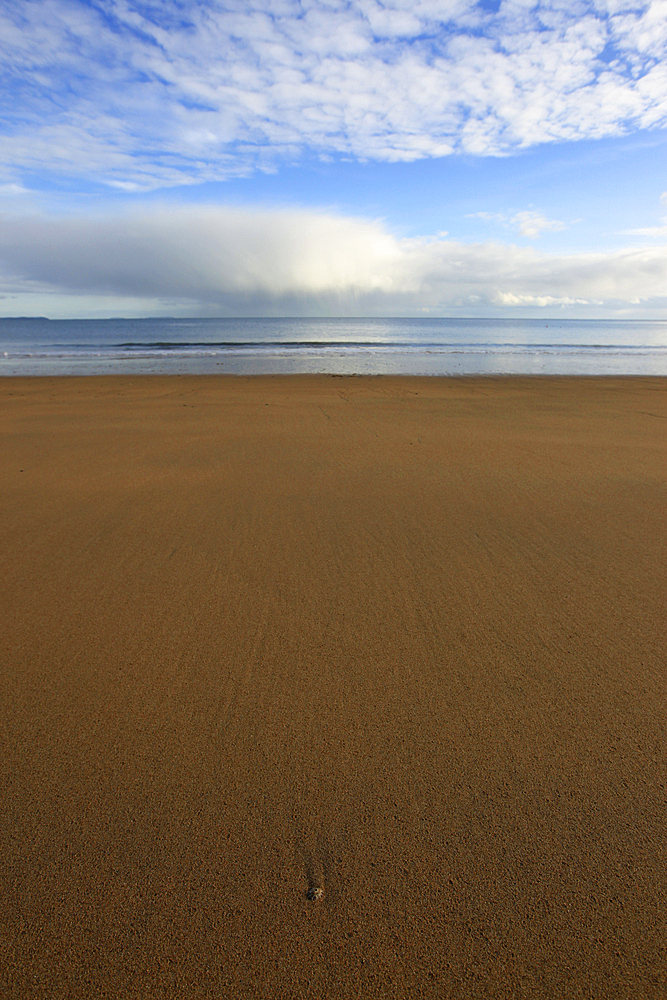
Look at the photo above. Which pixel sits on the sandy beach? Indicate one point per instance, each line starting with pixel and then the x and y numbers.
pixel 333 687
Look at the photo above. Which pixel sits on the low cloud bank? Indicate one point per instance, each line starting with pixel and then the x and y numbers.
pixel 300 262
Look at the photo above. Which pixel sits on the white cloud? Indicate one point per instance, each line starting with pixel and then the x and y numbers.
pixel 145 95
pixel 529 223
pixel 655 232
pixel 532 224
pixel 12 190
pixel 296 262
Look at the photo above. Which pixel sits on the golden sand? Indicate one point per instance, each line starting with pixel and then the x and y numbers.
pixel 320 687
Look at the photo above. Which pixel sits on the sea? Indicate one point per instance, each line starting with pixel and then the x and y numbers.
pixel 340 346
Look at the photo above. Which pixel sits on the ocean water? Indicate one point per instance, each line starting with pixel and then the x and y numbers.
pixel 336 346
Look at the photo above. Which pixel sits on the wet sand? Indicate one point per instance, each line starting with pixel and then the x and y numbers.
pixel 400 640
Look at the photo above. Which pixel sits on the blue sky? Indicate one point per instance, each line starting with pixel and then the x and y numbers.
pixel 315 157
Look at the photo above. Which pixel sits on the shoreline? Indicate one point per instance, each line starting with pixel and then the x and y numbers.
pixel 302 376
pixel 333 685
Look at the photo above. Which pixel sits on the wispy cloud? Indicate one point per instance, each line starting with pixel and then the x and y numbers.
pixel 532 224
pixel 142 95
pixel 529 223
pixel 656 232
pixel 298 262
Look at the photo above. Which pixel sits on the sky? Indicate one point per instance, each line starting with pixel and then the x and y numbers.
pixel 333 157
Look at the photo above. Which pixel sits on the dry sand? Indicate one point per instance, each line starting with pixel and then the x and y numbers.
pixel 400 640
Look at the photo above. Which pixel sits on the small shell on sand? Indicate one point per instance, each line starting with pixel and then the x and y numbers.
pixel 315 893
